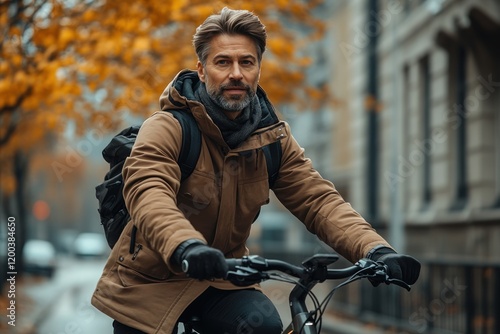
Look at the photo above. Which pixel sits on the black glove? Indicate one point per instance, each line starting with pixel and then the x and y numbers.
pixel 203 262
pixel 402 267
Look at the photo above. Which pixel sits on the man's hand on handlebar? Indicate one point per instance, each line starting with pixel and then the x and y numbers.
pixel 399 266
pixel 203 262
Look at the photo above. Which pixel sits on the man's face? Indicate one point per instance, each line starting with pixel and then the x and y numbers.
pixel 231 73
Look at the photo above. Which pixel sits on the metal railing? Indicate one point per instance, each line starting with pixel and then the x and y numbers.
pixel 451 297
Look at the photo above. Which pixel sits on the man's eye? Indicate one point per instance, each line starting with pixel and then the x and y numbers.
pixel 222 62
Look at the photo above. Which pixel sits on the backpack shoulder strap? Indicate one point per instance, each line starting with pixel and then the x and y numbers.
pixel 191 142
pixel 191 147
pixel 273 155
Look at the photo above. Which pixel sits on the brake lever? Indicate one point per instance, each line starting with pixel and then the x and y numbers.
pixel 398 282
pixel 244 276
pixel 380 273
pixel 388 280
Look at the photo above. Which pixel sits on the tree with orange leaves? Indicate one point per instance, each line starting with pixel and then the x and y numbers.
pixel 88 62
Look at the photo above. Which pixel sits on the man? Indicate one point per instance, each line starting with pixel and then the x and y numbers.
pixel 208 216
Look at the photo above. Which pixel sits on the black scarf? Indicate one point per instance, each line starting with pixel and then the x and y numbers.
pixel 234 131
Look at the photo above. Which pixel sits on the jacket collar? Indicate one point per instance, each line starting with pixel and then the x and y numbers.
pixel 179 94
pixel 263 137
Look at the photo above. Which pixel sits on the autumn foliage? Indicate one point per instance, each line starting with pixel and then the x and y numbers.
pixel 88 62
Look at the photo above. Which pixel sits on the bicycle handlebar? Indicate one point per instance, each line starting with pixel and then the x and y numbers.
pixel 255 269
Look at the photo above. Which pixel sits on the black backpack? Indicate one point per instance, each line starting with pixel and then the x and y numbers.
pixel 112 210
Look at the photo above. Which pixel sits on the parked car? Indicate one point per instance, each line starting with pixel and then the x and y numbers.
pixel 90 245
pixel 39 257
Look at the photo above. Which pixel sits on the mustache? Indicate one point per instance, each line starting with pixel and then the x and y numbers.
pixel 235 84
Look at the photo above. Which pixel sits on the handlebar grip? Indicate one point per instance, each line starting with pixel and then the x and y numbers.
pixel 233 263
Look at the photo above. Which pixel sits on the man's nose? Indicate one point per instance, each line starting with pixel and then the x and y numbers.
pixel 235 72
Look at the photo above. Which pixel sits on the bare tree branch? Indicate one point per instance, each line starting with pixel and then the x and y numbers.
pixel 8 134
pixel 17 104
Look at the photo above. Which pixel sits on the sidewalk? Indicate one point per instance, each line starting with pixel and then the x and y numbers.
pixel 337 325
pixel 30 308
pixel 24 307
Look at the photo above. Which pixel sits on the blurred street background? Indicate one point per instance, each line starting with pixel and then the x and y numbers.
pixel 397 102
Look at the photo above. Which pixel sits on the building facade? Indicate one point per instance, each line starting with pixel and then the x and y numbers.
pixel 420 87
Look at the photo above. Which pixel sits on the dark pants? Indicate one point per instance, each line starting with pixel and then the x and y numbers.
pixel 228 312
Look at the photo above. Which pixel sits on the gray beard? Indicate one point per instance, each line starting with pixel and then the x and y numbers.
pixel 231 105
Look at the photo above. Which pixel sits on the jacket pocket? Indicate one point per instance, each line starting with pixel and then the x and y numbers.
pixel 253 195
pixel 143 266
pixel 196 194
pixel 130 277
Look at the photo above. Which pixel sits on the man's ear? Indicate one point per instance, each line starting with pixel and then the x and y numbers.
pixel 201 71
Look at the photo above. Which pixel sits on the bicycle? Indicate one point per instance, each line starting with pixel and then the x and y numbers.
pixel 255 269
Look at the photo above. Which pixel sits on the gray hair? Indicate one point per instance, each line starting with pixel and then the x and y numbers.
pixel 231 22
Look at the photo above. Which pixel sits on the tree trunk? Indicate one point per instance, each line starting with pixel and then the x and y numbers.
pixel 15 208
pixel 20 205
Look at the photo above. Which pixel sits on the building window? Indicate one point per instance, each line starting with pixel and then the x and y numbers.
pixel 425 109
pixel 497 155
pixel 461 192
pixel 406 123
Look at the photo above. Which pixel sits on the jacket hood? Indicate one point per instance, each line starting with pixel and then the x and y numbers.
pixel 179 94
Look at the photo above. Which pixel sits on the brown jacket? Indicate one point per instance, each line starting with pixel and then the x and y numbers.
pixel 216 204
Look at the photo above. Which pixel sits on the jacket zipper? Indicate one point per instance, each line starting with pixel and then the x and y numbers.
pixel 139 247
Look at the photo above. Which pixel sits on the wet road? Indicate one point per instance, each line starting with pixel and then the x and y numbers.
pixel 64 301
